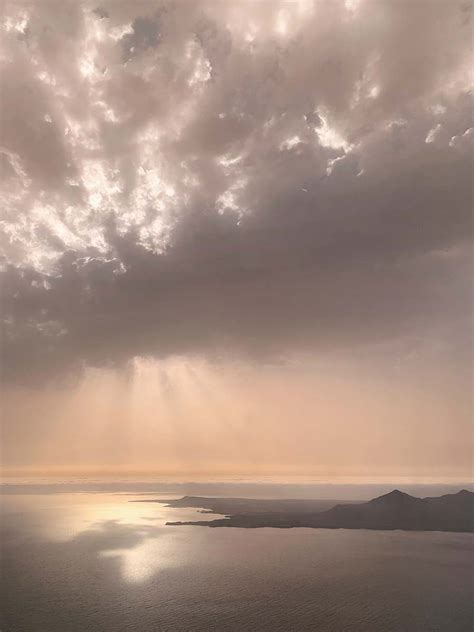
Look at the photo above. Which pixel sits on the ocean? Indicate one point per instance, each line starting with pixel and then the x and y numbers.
pixel 92 561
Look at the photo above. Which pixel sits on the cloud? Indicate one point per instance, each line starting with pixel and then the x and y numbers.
pixel 245 178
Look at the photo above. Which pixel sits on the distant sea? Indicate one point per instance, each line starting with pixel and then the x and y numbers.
pixel 78 556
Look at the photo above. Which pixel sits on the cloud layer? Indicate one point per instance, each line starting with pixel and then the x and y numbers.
pixel 258 178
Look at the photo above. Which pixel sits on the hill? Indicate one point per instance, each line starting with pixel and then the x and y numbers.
pixel 395 510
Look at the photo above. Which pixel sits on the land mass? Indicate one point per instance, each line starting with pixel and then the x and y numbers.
pixel 247 506
pixel 396 510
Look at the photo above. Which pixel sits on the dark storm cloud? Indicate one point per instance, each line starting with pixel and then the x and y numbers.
pixel 260 178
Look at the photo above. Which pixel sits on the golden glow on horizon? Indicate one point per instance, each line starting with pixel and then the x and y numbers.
pixel 185 417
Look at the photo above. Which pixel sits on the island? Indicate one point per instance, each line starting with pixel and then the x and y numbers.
pixel 395 510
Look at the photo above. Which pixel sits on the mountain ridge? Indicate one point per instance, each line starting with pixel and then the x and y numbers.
pixel 394 510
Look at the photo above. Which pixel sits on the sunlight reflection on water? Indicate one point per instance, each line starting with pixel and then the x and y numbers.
pixel 98 562
pixel 135 533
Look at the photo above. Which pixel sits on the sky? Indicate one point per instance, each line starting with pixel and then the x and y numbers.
pixel 236 238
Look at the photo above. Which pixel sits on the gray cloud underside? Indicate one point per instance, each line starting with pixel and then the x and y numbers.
pixel 191 177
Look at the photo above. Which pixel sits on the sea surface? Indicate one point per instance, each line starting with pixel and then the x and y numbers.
pixel 92 561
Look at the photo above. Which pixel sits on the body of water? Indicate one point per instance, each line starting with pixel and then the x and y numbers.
pixel 96 562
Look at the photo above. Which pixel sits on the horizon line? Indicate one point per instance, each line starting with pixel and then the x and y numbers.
pixel 201 476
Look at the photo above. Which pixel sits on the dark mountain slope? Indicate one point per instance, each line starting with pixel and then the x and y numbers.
pixel 397 510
